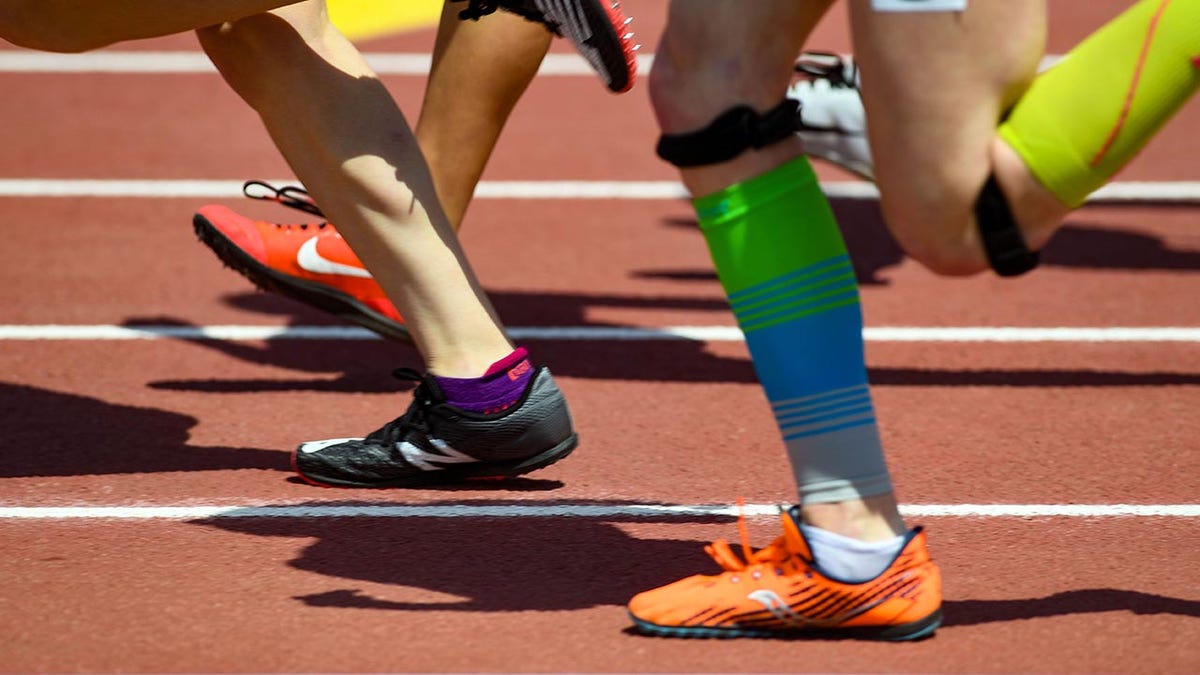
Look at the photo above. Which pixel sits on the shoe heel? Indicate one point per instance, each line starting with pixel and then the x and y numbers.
pixel 530 464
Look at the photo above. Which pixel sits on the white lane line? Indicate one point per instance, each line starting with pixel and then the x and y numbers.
pixel 220 189
pixel 184 62
pixel 1186 334
pixel 1119 192
pixel 181 62
pixel 188 62
pixel 663 511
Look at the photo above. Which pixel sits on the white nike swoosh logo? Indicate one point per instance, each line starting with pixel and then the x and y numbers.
pixel 308 258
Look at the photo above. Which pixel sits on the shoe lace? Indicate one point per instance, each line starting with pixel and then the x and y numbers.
pixel 292 196
pixel 839 71
pixel 724 555
pixel 416 418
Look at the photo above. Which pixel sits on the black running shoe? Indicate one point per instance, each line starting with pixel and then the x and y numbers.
pixel 598 29
pixel 436 443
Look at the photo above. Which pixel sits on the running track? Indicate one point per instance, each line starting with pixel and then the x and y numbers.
pixel 149 521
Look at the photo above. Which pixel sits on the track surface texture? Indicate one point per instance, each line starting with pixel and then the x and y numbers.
pixel 182 543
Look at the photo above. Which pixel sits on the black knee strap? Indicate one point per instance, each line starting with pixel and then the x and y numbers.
pixel 1002 241
pixel 732 133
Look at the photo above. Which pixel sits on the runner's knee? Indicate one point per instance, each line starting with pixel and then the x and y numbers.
pixel 694 80
pixel 248 52
pixel 673 83
pixel 946 258
pixel 938 235
pixel 234 50
pixel 237 40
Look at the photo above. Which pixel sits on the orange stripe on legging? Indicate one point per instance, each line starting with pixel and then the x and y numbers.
pixel 1137 75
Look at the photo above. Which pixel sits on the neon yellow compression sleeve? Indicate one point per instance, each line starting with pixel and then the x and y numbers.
pixel 1083 119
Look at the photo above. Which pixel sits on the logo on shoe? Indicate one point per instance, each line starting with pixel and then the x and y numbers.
pixel 311 260
pixel 782 611
pixel 426 460
pixel 519 370
pixel 317 446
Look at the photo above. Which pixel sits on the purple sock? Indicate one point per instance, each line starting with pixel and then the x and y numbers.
pixel 499 388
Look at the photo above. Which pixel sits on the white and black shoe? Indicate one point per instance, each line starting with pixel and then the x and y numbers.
pixel 832 121
pixel 435 443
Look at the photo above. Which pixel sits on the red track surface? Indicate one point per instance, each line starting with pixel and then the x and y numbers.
pixel 162 422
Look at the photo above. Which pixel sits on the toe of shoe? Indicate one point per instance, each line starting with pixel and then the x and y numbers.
pixel 237 228
pixel 319 456
pixel 670 604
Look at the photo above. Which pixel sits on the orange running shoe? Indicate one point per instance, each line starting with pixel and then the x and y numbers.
pixel 777 592
pixel 308 262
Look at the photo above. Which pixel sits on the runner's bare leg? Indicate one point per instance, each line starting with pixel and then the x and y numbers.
pixel 348 142
pixel 480 70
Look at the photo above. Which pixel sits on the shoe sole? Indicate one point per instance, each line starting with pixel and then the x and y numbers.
pixel 602 29
pixel 916 630
pixel 454 474
pixel 321 296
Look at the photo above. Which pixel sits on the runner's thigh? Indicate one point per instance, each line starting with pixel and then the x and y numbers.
pixel 77 26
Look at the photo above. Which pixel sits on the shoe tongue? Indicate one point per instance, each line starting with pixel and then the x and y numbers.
pixel 791 532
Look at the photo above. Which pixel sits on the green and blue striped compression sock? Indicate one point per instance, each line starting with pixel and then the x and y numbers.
pixel 784 267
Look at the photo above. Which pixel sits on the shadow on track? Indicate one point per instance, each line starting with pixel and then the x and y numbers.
pixel 365 366
pixel 1084 601
pixel 490 564
pixel 485 564
pixel 49 433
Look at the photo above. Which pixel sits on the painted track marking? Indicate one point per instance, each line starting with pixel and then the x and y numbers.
pixel 1117 192
pixel 182 62
pixel 195 62
pixel 98 512
pixel 1187 334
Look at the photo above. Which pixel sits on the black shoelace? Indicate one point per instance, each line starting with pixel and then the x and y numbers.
pixel 829 66
pixel 416 418
pixel 292 196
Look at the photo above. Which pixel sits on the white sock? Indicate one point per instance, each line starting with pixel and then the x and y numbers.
pixel 846 559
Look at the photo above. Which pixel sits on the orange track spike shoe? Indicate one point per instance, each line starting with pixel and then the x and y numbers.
pixel 778 592
pixel 307 262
